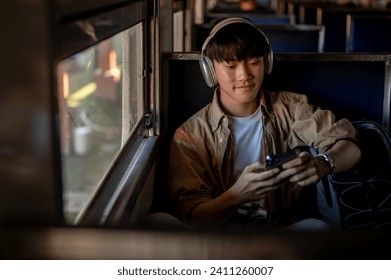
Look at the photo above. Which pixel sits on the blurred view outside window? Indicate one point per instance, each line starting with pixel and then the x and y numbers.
pixel 101 102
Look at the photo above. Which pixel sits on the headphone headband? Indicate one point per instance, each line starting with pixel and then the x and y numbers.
pixel 226 22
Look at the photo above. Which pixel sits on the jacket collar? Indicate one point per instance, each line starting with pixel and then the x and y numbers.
pixel 216 114
pixel 266 103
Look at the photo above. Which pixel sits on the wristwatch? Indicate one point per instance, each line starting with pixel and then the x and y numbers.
pixel 329 161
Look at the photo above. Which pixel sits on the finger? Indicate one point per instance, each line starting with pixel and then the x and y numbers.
pixel 255 167
pixel 300 160
pixel 258 170
pixel 265 174
pixel 303 173
pixel 307 181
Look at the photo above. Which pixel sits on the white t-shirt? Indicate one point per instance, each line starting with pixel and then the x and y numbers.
pixel 247 133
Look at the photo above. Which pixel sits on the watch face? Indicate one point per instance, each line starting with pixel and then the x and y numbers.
pixel 330 162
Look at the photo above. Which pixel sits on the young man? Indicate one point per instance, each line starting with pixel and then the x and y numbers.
pixel 217 159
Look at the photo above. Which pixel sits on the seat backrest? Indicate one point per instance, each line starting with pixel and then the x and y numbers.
pixel 368 33
pixel 352 86
pixel 295 38
pixel 282 37
pixel 335 19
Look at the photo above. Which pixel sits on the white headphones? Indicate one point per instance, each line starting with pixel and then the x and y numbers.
pixel 206 64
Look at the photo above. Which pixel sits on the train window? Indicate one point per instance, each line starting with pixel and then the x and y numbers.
pixel 101 103
pixel 178 30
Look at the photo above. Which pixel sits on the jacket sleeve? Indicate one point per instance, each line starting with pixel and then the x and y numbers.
pixel 318 128
pixel 188 179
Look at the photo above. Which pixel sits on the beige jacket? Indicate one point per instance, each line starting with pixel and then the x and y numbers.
pixel 202 149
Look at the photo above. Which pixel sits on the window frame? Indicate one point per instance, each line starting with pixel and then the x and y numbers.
pixel 121 183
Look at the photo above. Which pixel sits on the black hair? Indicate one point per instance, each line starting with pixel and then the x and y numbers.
pixel 237 41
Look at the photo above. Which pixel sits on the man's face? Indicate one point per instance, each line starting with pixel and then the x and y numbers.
pixel 239 81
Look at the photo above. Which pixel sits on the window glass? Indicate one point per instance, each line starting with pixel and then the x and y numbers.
pixel 101 103
pixel 178 31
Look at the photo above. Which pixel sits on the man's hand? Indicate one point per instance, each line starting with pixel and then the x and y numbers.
pixel 253 184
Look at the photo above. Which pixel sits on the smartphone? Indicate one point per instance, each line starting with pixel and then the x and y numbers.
pixel 276 161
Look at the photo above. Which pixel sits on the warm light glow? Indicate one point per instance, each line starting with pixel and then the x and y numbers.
pixel 113 71
pixel 112 59
pixel 65 85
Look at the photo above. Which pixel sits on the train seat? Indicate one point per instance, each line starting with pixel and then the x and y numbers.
pixel 356 87
pixel 282 37
pixel 335 19
pixel 368 33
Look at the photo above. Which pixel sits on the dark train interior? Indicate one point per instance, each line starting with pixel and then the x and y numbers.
pixel 92 92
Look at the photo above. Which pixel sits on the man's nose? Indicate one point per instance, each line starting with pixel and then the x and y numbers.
pixel 244 72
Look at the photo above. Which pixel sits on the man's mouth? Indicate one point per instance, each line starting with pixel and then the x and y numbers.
pixel 246 86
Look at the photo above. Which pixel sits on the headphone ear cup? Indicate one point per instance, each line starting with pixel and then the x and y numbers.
pixel 269 61
pixel 208 71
